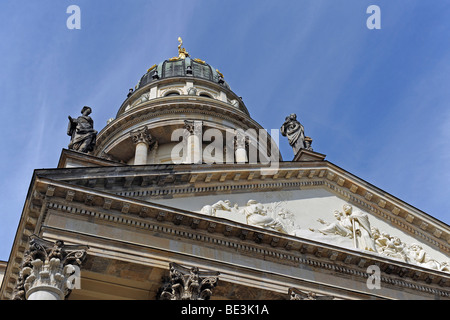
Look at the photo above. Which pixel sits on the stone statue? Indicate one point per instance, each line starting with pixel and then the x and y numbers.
pixel 294 131
pixel 82 132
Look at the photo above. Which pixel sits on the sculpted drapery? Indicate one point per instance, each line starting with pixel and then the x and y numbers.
pixel 81 130
pixel 294 131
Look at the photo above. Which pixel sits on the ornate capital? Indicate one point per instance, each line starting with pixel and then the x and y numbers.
pixel 241 139
pixel 193 127
pixel 48 266
pixel 188 284
pixel 142 135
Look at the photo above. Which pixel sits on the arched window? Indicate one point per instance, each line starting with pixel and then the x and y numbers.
pixel 172 93
pixel 205 95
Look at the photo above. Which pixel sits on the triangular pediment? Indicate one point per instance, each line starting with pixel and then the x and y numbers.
pixel 297 198
pixel 220 206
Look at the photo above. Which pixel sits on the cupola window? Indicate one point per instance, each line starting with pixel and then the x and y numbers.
pixel 172 93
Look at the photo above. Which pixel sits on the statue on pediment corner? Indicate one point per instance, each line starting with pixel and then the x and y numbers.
pixel 81 130
pixel 295 132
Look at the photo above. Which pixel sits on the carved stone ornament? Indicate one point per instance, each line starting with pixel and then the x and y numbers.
pixel 296 294
pixel 48 266
pixel 188 284
pixel 354 224
pixel 142 135
pixel 193 127
pixel 273 216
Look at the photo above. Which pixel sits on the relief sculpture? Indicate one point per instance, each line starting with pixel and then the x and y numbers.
pixel 257 215
pixel 354 224
pixel 272 216
pixel 211 210
pixel 350 223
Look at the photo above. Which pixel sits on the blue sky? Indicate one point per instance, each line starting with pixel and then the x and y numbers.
pixel 376 102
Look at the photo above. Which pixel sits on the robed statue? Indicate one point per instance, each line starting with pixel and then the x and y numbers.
pixel 294 131
pixel 81 130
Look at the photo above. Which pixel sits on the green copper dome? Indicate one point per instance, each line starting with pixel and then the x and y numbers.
pixel 182 67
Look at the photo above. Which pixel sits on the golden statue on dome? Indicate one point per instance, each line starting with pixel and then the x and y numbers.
pixel 182 53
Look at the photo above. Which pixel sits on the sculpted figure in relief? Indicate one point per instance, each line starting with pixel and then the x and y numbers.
pixel 256 215
pixel 272 216
pixel 342 227
pixel 219 205
pixel 419 256
pixel 389 246
pixel 353 224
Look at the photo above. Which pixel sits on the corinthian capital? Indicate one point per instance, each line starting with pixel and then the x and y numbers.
pixel 188 284
pixel 142 135
pixel 193 127
pixel 48 268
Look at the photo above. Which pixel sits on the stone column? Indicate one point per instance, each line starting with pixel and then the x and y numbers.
pixel 194 145
pixel 188 284
pixel 143 141
pixel 49 270
pixel 240 150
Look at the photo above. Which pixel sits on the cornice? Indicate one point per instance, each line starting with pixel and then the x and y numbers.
pixel 84 159
pixel 176 180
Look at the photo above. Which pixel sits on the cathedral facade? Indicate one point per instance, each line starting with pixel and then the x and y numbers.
pixel 183 196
